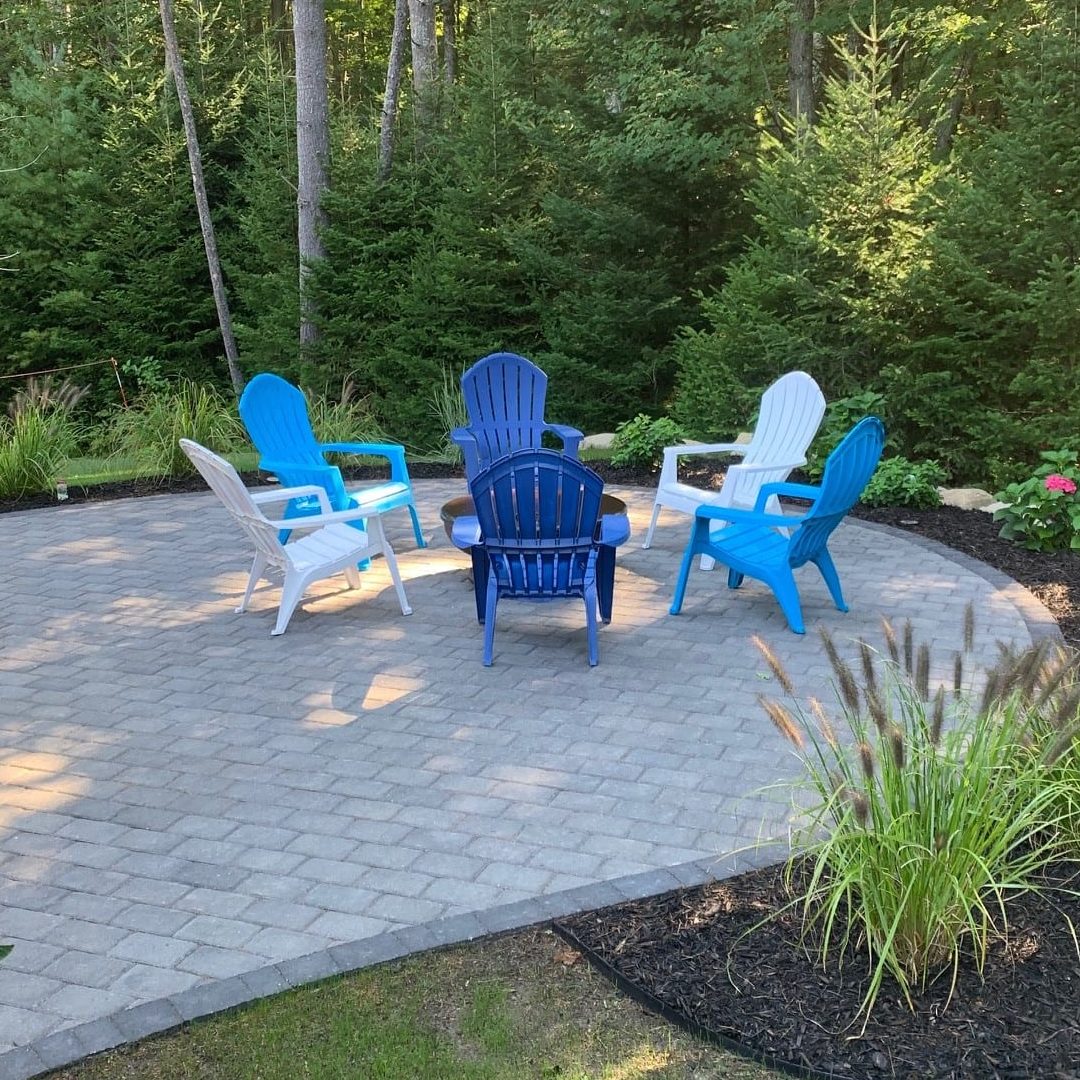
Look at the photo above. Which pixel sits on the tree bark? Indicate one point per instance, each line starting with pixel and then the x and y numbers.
pixel 801 63
pixel 312 147
pixel 947 127
pixel 425 60
pixel 393 85
pixel 221 301
pixel 449 37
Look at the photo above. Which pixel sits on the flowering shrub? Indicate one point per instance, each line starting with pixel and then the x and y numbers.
pixel 1043 512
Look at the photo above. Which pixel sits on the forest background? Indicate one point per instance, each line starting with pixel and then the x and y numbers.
pixel 664 203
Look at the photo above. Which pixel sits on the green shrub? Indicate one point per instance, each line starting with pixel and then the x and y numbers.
pixel 929 816
pixel 1044 511
pixel 641 441
pixel 34 444
pixel 840 417
pixel 149 431
pixel 899 482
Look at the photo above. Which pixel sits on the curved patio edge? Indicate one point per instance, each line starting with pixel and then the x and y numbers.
pixel 70 1045
pixel 1040 623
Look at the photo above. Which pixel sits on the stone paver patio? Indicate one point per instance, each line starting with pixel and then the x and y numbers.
pixel 193 814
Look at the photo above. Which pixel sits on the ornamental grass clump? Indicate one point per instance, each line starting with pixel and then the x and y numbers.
pixel 149 431
pixel 34 444
pixel 934 806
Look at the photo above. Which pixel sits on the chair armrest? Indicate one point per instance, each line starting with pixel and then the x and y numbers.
pixel 317 521
pixel 470 449
pixel 466 532
pixel 705 448
pixel 393 452
pixel 746 517
pixel 745 467
pixel 614 530
pixel 571 437
pixel 783 487
pixel 304 491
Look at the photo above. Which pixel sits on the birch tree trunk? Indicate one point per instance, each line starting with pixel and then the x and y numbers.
pixel 425 60
pixel 449 38
pixel 312 147
pixel 221 301
pixel 801 63
pixel 393 85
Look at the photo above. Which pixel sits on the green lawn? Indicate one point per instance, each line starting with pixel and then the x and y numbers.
pixel 85 471
pixel 521 1006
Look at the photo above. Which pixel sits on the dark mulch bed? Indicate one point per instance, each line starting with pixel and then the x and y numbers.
pixel 686 951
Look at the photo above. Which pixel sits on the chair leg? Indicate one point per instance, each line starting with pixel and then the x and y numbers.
pixel 352 576
pixel 481 567
pixel 395 577
pixel 707 561
pixel 417 532
pixel 786 592
pixel 361 525
pixel 590 624
pixel 489 619
pixel 652 524
pixel 257 568
pixel 832 579
pixel 734 579
pixel 684 573
pixel 292 592
pixel 605 581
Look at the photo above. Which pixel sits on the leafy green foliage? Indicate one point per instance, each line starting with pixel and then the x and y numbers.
pixel 641 441
pixel 149 431
pixel 899 482
pixel 929 813
pixel 34 444
pixel 1044 510
pixel 841 416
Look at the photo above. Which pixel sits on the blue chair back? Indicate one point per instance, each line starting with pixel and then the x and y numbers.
pixel 538 512
pixel 505 396
pixel 847 472
pixel 276 417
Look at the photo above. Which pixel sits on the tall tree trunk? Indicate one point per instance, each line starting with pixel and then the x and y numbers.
pixel 947 128
pixel 801 62
pixel 221 301
pixel 312 147
pixel 393 85
pixel 425 61
pixel 449 37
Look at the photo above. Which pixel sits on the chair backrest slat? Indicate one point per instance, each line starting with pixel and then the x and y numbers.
pixel 847 472
pixel 225 482
pixel 505 397
pixel 538 512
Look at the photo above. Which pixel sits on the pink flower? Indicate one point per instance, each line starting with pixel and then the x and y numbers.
pixel 1057 482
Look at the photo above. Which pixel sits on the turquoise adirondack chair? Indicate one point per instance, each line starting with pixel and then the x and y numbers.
pixel 752 544
pixel 539 517
pixel 275 415
pixel 505 396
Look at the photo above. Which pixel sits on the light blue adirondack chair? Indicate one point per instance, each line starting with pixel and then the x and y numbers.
pixel 753 545
pixel 505 395
pixel 275 415
pixel 539 514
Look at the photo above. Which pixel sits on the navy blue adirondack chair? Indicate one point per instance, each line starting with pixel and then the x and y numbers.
pixel 276 417
pixel 539 516
pixel 751 545
pixel 505 396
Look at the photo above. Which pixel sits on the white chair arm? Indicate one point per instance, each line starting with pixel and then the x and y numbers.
pixel 317 521
pixel 768 466
pixel 705 448
pixel 286 494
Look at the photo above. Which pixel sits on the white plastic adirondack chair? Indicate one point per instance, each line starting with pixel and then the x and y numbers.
pixel 334 547
pixel 791 412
